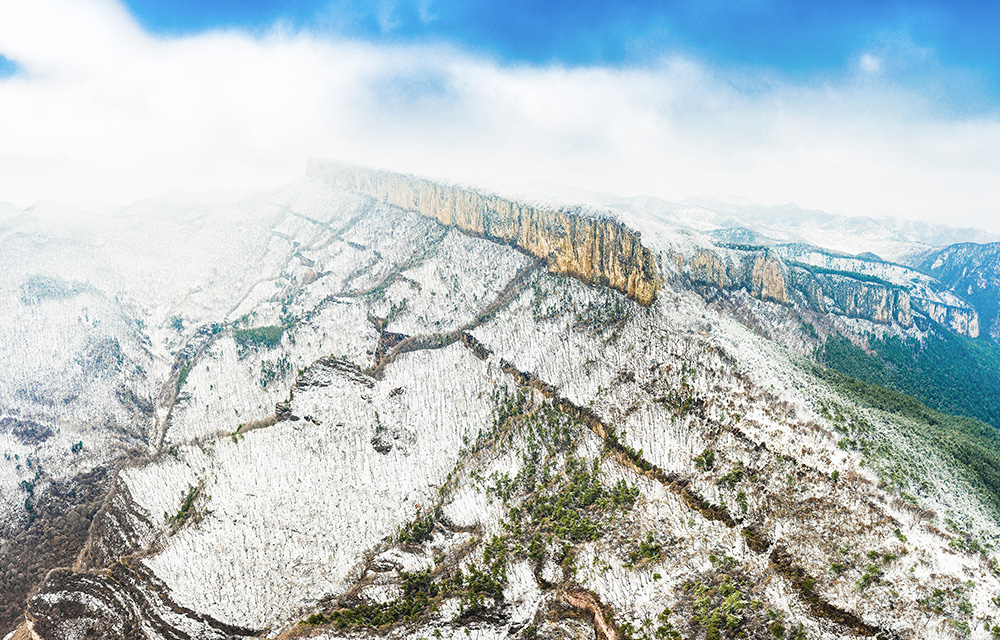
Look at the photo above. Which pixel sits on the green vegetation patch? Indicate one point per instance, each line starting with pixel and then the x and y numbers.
pixel 182 375
pixel 267 337
pixel 648 549
pixel 37 288
pixel 271 371
pixel 572 506
pixel 423 591
pixel 609 311
pixel 420 528
pixel 418 590
pixel 726 604
pixel 972 445
pixel 946 371
pixel 185 509
pixel 555 495
pixel 556 501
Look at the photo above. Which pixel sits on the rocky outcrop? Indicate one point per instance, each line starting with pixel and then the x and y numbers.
pixel 762 274
pixel 766 276
pixel 868 286
pixel 707 268
pixel 767 279
pixel 595 249
pixel 852 295
pixel 971 271
pixel 962 320
pixel 869 300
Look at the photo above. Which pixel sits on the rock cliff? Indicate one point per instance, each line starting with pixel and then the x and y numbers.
pixel 963 320
pixel 595 249
pixel 869 300
pixel 767 279
pixel 971 271
pixel 766 276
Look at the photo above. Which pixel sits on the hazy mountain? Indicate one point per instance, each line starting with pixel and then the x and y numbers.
pixel 8 209
pixel 894 239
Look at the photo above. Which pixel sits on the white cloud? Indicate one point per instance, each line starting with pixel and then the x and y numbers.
pixel 870 64
pixel 105 110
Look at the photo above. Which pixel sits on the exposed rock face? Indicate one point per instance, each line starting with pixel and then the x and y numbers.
pixel 872 301
pixel 762 274
pixel 855 298
pixel 768 279
pixel 868 277
pixel 707 268
pixel 808 285
pixel 971 271
pixel 596 250
pixel 962 320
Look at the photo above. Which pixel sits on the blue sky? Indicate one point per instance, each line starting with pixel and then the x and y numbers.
pixel 7 67
pixel 791 37
pixel 873 108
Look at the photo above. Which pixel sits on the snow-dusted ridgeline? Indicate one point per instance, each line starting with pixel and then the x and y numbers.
pixel 252 531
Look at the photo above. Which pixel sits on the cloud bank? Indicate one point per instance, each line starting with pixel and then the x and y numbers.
pixel 101 109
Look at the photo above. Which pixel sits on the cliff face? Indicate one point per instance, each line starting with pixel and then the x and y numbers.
pixel 971 271
pixel 872 301
pixel 962 320
pixel 707 268
pixel 767 277
pixel 595 250
pixel 763 275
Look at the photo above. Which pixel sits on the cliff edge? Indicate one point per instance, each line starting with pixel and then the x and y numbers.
pixel 596 250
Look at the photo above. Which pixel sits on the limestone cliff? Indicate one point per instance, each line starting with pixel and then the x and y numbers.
pixel 707 268
pixel 597 250
pixel 962 320
pixel 767 279
pixel 762 274
pixel 766 276
pixel 972 272
pixel 852 295
pixel 868 300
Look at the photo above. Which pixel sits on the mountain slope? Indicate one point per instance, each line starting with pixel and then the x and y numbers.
pixel 390 425
pixel 973 271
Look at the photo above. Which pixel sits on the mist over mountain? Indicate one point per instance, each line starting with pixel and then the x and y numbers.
pixel 369 404
pixel 894 239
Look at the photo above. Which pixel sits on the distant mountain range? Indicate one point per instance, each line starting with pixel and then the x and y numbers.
pixel 894 239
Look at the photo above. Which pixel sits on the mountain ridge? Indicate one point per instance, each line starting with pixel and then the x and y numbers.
pixel 385 425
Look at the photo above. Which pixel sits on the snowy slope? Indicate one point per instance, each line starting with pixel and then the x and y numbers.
pixel 352 410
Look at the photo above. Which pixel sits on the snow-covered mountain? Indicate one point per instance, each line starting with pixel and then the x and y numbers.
pixel 973 272
pixel 7 209
pixel 370 404
pixel 894 239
